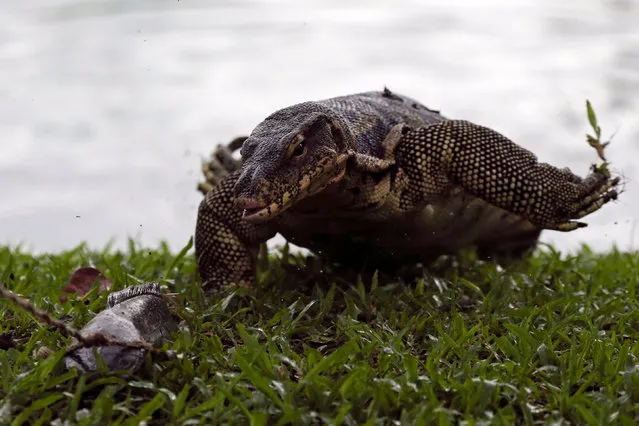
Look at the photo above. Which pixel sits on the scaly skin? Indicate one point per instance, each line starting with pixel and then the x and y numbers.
pixel 377 179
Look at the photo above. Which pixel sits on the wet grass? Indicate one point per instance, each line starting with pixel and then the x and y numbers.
pixel 551 341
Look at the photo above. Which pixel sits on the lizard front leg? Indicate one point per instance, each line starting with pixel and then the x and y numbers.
pixel 220 164
pixel 492 167
pixel 226 245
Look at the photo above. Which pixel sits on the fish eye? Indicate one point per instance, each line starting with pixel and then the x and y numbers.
pixel 299 150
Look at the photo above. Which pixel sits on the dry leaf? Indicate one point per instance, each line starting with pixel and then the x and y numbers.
pixel 83 280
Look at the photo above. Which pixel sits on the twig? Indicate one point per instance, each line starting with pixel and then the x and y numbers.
pixel 82 341
pixel 41 315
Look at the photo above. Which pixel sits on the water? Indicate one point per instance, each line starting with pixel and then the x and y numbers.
pixel 107 107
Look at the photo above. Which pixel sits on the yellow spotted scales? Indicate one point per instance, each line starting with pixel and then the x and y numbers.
pixel 490 166
pixel 377 180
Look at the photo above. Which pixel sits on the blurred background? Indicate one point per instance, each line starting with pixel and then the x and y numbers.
pixel 107 107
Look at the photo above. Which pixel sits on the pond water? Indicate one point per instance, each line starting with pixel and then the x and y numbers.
pixel 107 107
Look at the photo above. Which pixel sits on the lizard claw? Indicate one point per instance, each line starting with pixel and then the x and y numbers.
pixel 593 193
pixel 567 226
pixel 594 202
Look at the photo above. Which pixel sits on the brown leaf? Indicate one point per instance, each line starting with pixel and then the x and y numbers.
pixel 598 146
pixel 82 281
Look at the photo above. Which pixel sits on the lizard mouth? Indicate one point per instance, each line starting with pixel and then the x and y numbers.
pixel 256 211
pixel 252 209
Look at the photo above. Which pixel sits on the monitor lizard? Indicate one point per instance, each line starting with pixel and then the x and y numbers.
pixel 377 178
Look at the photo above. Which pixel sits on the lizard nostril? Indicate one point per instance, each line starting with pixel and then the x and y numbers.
pixel 249 185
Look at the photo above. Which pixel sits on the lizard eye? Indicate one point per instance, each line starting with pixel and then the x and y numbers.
pixel 299 150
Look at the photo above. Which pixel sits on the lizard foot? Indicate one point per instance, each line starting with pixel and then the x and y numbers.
pixel 592 194
pixel 220 164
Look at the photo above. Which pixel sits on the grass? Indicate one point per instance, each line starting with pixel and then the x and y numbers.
pixel 554 340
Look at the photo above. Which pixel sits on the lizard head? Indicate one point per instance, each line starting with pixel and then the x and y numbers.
pixel 293 154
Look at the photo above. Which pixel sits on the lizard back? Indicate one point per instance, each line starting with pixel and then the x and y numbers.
pixel 371 115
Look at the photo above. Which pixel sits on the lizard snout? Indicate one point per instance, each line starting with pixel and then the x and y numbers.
pixel 249 185
pixel 251 193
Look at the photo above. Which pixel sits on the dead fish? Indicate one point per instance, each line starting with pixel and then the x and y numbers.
pixel 135 315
